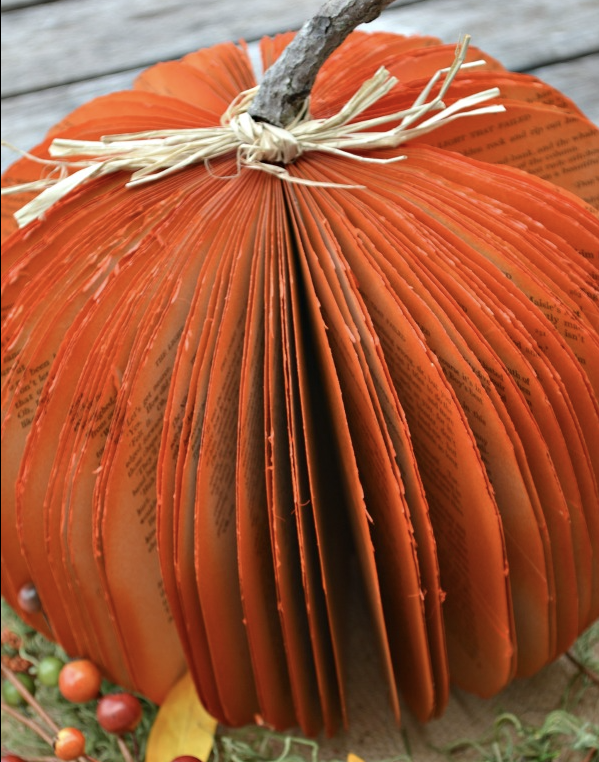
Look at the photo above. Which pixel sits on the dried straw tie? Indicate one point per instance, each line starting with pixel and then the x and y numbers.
pixel 257 145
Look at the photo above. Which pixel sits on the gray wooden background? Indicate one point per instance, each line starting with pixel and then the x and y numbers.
pixel 56 54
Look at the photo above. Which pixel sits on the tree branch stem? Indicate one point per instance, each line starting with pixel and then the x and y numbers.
pixel 289 81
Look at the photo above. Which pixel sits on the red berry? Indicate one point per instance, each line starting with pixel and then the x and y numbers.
pixel 11 758
pixel 79 681
pixel 29 600
pixel 119 712
pixel 69 744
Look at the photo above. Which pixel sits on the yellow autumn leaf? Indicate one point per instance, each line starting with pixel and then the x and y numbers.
pixel 182 726
pixel 354 758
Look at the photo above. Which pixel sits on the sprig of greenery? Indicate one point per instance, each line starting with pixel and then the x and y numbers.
pixel 262 745
pixel 19 739
pixel 509 740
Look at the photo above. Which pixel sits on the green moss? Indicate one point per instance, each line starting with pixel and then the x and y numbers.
pixel 20 740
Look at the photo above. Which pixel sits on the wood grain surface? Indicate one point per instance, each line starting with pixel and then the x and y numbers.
pixel 56 55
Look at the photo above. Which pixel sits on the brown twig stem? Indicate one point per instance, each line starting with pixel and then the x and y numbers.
pixel 288 82
pixel 581 668
pixel 33 726
pixel 126 754
pixel 135 744
pixel 36 706
pixel 9 675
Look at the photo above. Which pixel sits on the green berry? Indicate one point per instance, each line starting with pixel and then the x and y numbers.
pixel 11 695
pixel 48 670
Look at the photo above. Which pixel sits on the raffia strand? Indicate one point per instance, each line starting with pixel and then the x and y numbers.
pixel 149 156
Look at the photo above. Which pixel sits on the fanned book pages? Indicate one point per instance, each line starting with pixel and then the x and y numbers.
pixel 241 395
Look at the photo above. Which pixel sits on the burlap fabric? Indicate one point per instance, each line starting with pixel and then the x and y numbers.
pixel 374 735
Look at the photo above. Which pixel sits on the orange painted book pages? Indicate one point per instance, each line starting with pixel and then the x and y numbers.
pixel 177 461
pixel 190 385
pixel 298 346
pixel 549 258
pixel 63 414
pixel 513 86
pixel 129 463
pixel 552 435
pixel 576 408
pixel 572 294
pixel 326 460
pixel 544 140
pixel 369 281
pixel 121 362
pixel 90 122
pixel 215 493
pixel 68 517
pixel 281 485
pixel 361 55
pixel 379 413
pixel 420 381
pixel 93 350
pixel 578 390
pixel 28 355
pixel 254 545
pixel 132 110
pixel 567 291
pixel 341 74
pixel 187 80
pixel 230 75
pixel 198 349
pixel 435 312
pixel 572 230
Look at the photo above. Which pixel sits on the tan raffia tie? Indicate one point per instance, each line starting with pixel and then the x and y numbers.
pixel 148 156
pixel 260 141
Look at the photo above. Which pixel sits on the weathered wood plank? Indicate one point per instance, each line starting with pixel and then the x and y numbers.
pixel 522 34
pixel 26 118
pixel 9 5
pixel 73 40
pixel 579 80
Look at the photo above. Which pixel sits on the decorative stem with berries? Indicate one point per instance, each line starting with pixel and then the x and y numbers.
pixel 9 675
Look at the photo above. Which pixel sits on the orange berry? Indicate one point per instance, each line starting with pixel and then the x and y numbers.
pixel 69 744
pixel 79 681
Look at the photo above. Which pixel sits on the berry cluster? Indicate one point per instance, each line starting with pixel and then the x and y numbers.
pixel 78 681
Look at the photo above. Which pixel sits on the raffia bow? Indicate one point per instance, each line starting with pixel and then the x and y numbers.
pixel 256 145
